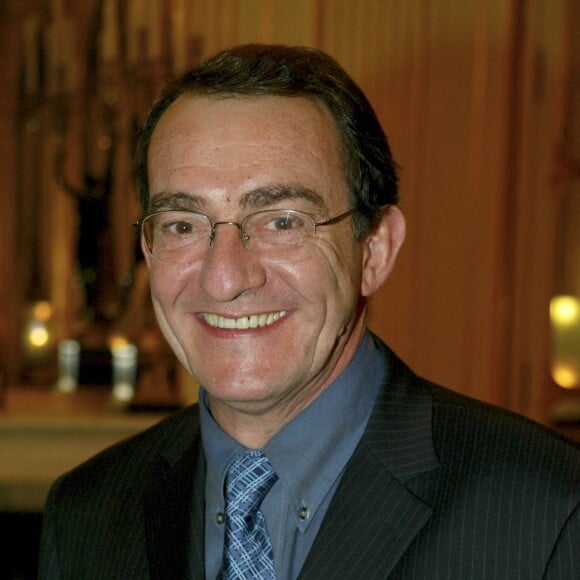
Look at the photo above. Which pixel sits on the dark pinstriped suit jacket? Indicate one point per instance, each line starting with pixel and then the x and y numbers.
pixel 440 487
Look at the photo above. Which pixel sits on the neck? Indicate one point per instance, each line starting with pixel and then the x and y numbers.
pixel 254 423
pixel 250 430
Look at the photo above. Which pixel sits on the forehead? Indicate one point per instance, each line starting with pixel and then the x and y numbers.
pixel 225 146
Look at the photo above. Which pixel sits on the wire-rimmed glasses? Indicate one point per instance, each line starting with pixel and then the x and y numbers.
pixel 275 235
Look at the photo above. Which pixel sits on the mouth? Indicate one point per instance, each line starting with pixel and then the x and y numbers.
pixel 245 322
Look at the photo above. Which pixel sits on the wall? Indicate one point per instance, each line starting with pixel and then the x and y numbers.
pixel 472 96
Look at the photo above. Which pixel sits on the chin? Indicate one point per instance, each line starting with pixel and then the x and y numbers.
pixel 226 380
pixel 240 395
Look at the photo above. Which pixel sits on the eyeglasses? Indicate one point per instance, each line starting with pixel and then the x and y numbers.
pixel 274 235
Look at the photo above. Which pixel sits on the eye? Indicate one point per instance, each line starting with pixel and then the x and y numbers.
pixel 181 225
pixel 179 228
pixel 285 222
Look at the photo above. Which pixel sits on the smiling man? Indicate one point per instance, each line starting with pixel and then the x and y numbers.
pixel 271 218
pixel 265 324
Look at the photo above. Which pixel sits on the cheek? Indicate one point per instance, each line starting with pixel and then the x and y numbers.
pixel 168 283
pixel 343 303
pixel 331 280
pixel 343 264
pixel 161 285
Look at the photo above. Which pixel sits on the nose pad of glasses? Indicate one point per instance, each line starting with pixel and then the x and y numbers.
pixel 243 235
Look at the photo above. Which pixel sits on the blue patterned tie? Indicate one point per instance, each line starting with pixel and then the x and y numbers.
pixel 248 550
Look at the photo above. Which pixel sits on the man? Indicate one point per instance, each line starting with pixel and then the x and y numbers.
pixel 270 200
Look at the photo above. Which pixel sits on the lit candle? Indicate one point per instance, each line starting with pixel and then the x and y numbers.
pixel 38 332
pixel 69 356
pixel 565 319
pixel 124 371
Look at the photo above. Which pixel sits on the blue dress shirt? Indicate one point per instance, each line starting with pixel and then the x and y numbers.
pixel 309 455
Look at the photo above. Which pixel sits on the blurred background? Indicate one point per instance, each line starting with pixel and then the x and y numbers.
pixel 481 103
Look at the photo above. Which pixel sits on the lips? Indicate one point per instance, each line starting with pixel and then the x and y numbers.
pixel 244 322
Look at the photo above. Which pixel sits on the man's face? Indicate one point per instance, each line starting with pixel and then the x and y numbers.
pixel 212 155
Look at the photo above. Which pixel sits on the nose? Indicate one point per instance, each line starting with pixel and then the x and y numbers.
pixel 229 269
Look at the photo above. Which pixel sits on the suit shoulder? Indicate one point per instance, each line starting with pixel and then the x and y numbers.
pixel 127 463
pixel 447 401
pixel 480 435
pixel 494 436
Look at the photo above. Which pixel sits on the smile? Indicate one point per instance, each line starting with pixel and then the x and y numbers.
pixel 245 322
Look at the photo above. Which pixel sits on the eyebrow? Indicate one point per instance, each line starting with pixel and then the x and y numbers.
pixel 275 193
pixel 260 197
pixel 175 200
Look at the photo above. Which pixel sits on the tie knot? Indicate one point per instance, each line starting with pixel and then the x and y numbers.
pixel 249 478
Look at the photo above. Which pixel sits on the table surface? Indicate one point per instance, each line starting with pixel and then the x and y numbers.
pixel 44 433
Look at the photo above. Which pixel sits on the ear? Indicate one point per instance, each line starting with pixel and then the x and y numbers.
pixel 380 250
pixel 146 253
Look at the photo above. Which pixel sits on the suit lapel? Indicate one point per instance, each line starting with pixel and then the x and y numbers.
pixel 365 532
pixel 383 498
pixel 174 512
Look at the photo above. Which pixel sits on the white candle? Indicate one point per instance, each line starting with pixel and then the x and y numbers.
pixel 69 356
pixel 124 371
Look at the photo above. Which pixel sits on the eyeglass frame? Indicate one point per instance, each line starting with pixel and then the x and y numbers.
pixel 240 225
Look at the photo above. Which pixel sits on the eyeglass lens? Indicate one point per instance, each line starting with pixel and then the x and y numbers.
pixel 272 235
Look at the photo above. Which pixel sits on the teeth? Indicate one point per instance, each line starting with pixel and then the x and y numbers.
pixel 245 322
